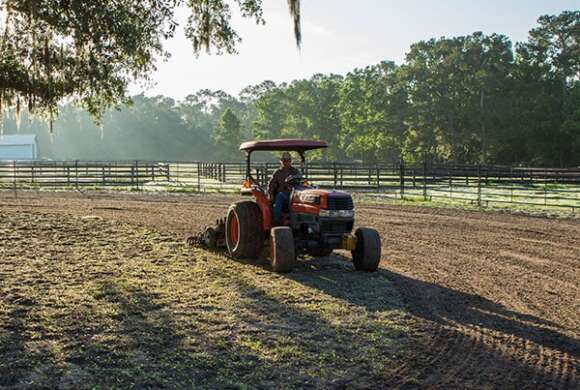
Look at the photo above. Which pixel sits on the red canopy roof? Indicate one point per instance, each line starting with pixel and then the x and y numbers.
pixel 298 145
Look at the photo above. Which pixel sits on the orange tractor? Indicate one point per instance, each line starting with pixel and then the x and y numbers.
pixel 316 221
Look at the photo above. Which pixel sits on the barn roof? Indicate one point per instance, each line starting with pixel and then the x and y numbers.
pixel 18 139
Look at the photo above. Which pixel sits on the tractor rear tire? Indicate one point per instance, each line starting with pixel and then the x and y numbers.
pixel 282 253
pixel 367 254
pixel 244 235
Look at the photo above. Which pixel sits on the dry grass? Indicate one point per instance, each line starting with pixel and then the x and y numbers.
pixel 92 303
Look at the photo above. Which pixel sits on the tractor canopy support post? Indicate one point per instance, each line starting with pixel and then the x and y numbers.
pixel 302 161
pixel 248 169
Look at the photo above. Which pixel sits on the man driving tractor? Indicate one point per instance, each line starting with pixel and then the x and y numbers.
pixel 320 220
pixel 278 189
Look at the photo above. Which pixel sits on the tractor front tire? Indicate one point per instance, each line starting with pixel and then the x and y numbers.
pixel 367 254
pixel 244 235
pixel 282 253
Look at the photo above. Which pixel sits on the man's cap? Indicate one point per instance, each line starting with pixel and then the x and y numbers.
pixel 286 156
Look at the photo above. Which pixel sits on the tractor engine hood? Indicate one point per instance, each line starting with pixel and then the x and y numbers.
pixel 326 203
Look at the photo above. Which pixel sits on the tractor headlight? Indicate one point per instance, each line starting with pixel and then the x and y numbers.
pixel 312 199
pixel 337 213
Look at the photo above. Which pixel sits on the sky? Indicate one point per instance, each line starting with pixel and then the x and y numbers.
pixel 338 36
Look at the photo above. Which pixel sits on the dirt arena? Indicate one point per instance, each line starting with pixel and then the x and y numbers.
pixel 491 300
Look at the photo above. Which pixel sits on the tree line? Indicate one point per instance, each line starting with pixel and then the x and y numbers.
pixel 468 99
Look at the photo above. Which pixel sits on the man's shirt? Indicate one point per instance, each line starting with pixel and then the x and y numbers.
pixel 278 181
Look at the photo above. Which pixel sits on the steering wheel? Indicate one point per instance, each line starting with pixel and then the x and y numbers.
pixel 295 180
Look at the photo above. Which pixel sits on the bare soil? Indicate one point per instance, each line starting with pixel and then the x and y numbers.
pixel 486 300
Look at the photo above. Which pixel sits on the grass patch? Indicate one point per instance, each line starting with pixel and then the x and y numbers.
pixel 486 206
pixel 91 303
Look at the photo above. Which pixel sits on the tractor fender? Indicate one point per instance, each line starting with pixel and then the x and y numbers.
pixel 263 203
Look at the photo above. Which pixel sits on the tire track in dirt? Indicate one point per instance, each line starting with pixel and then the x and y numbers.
pixel 461 254
pixel 493 298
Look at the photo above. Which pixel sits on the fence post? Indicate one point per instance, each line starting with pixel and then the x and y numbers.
pixel 199 176
pixel 14 176
pixel 425 180
pixel 334 173
pixel 378 179
pixel 137 174
pixel 450 183
pixel 545 189
pixel 177 175
pixel 479 185
pixel 77 174
pixel 402 177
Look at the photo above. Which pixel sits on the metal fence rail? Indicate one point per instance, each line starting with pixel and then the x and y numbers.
pixel 476 184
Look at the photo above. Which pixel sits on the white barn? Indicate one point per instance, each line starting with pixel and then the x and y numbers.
pixel 18 147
